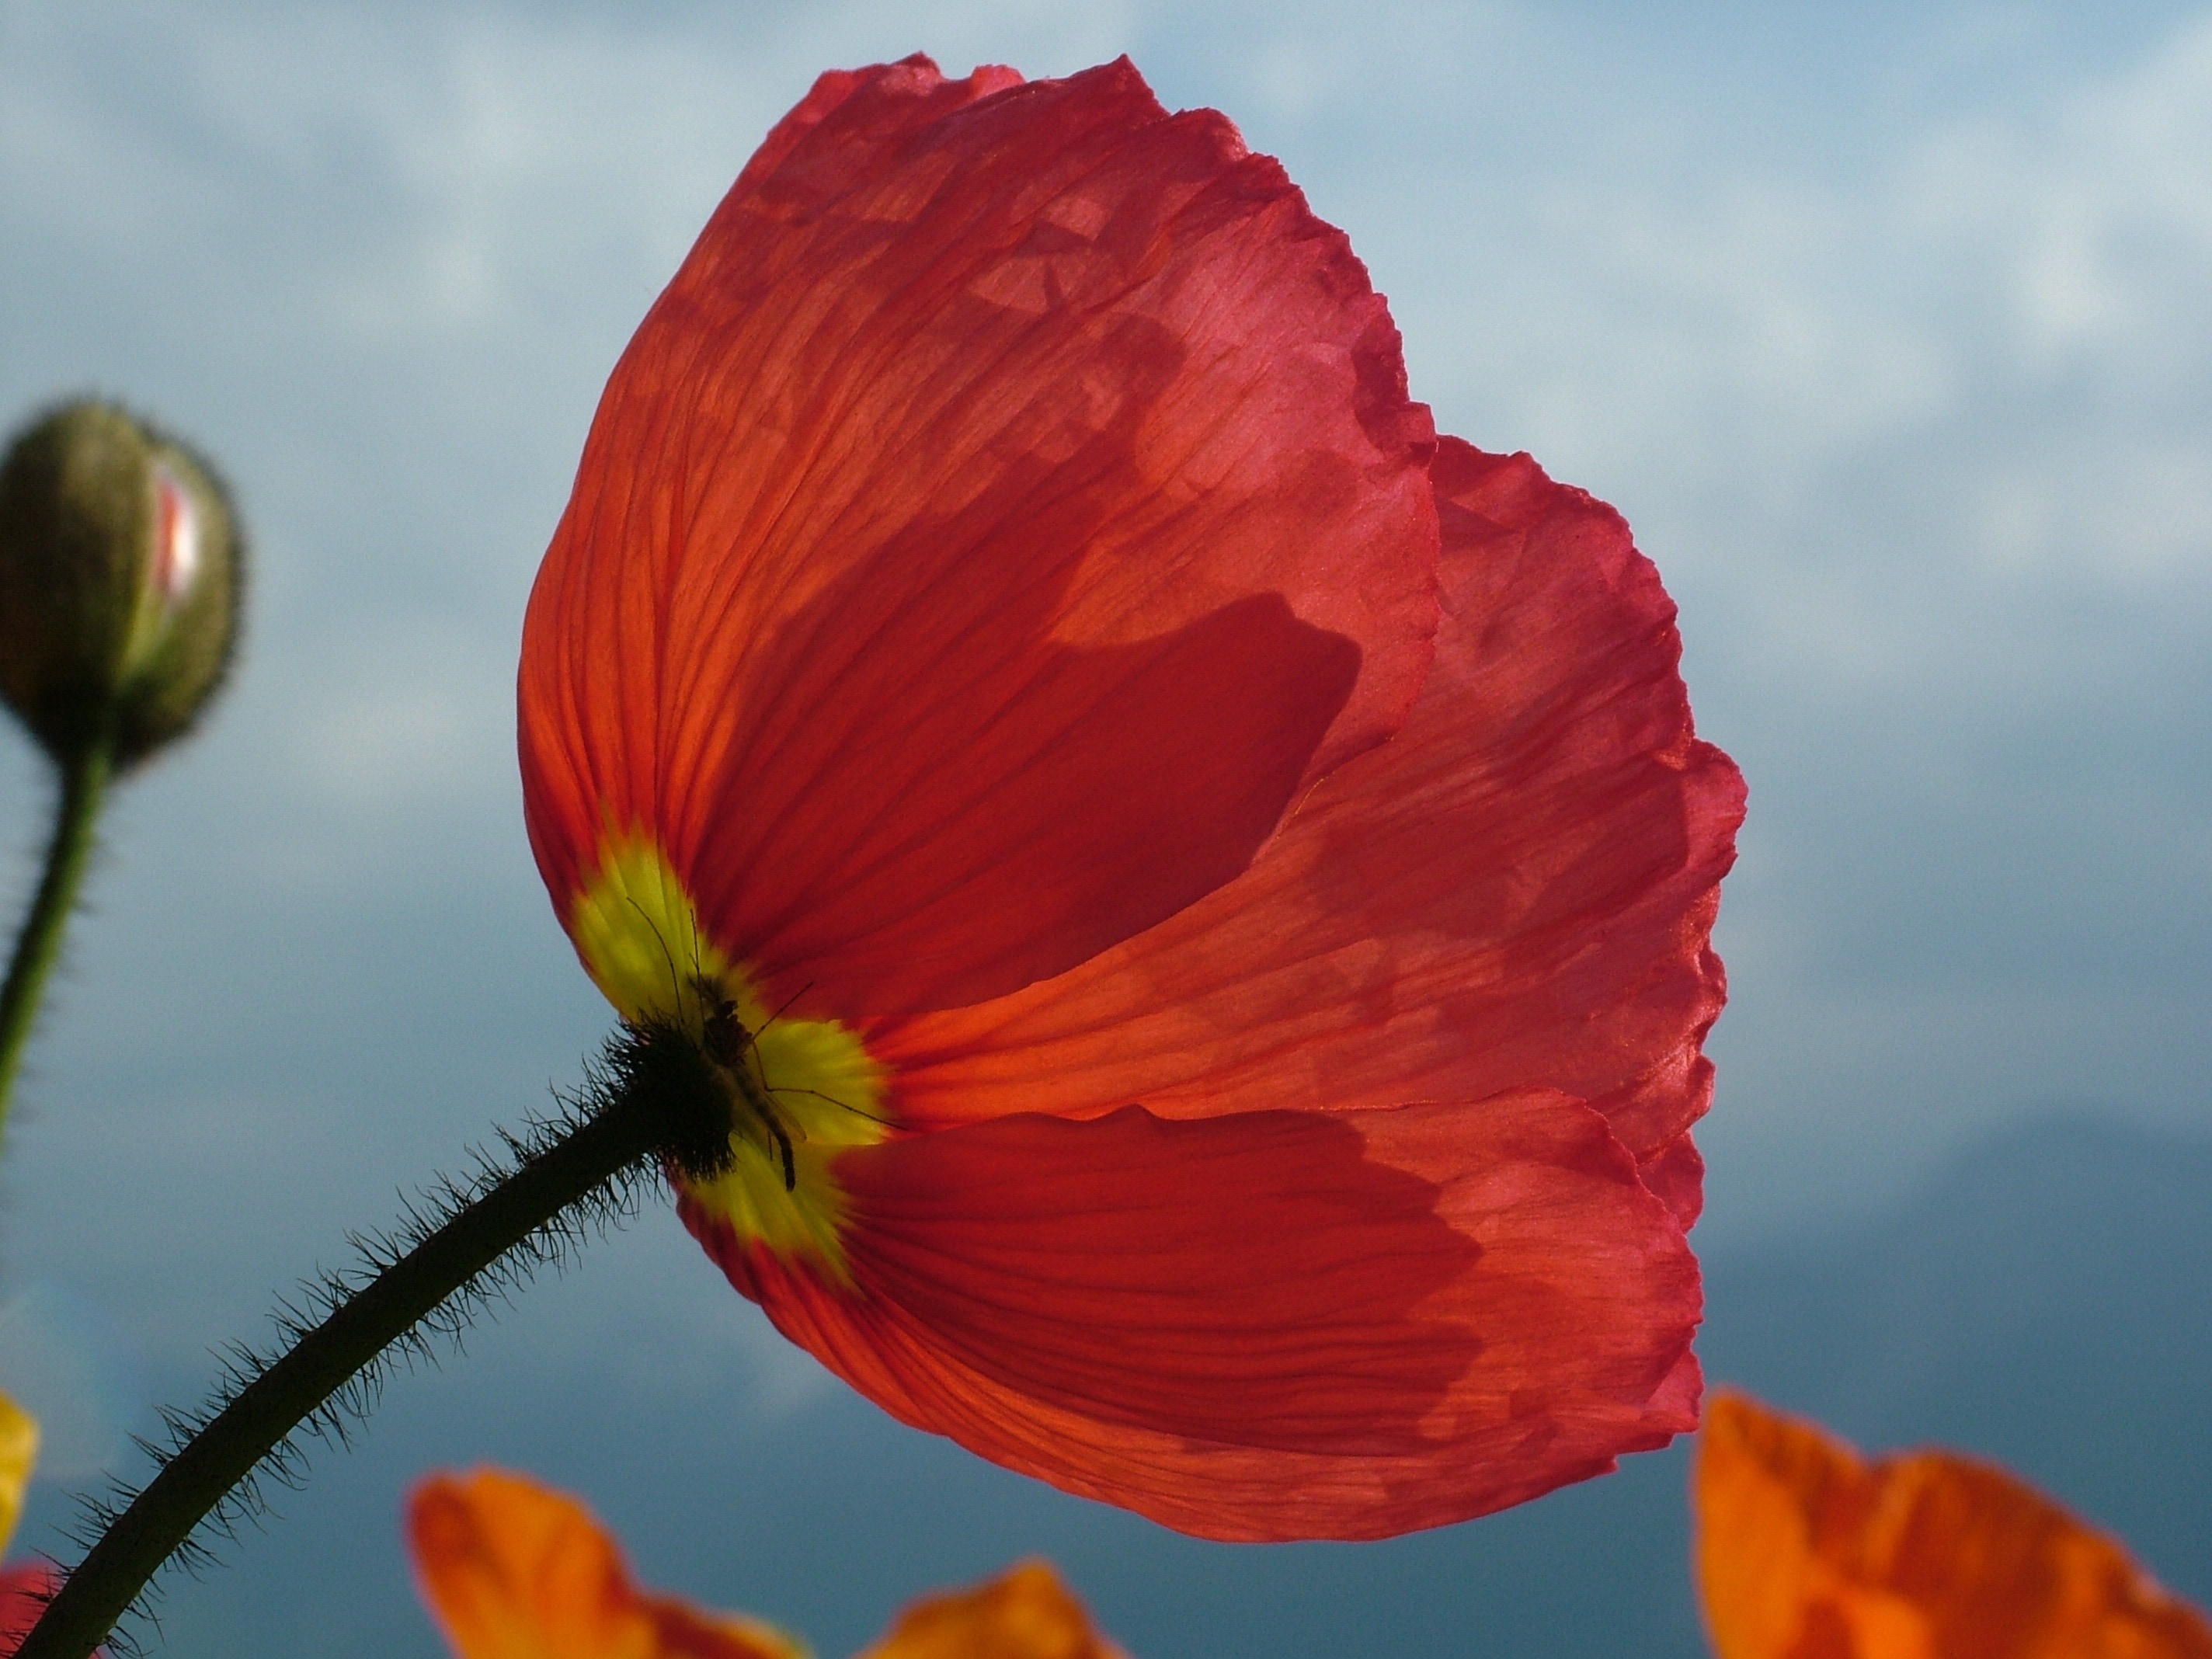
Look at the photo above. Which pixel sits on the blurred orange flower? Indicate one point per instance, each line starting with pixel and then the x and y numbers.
pixel 1805 1551
pixel 1026 1614
pixel 512 1570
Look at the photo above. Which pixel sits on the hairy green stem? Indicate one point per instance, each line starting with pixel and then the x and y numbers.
pixel 654 1110
pixel 84 779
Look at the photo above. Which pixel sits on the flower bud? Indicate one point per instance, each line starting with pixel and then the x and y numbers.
pixel 120 578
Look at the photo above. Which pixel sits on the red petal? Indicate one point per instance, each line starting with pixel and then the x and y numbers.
pixel 1515 891
pixel 912 94
pixel 1011 507
pixel 1272 1325
pixel 24 1592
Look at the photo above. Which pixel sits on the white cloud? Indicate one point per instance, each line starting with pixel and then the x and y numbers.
pixel 407 723
pixel 1912 409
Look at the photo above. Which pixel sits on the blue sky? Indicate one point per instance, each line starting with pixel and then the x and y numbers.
pixel 1885 325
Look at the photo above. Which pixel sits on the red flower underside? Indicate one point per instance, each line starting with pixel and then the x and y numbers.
pixel 1011 508
pixel 1516 891
pixel 1011 511
pixel 1270 1325
pixel 24 1592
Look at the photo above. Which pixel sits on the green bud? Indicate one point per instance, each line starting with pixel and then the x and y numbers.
pixel 121 571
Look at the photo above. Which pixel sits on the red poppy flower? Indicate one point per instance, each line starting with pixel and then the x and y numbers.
pixel 1806 1552
pixel 1200 894
pixel 512 1570
pixel 24 1592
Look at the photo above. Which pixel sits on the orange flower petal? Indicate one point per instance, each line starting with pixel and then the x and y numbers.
pixel 1024 1614
pixel 1516 891
pixel 1011 507
pixel 1806 1552
pixel 1264 1326
pixel 512 1570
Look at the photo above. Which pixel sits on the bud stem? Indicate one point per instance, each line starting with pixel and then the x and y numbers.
pixel 84 777
pixel 638 1118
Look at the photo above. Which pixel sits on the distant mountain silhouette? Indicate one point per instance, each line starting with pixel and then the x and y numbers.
pixel 2047 1302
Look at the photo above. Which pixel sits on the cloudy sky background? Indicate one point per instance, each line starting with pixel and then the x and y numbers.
pixel 1887 330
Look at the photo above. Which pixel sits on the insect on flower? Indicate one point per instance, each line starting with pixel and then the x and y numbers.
pixel 730 1045
pixel 1199 888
